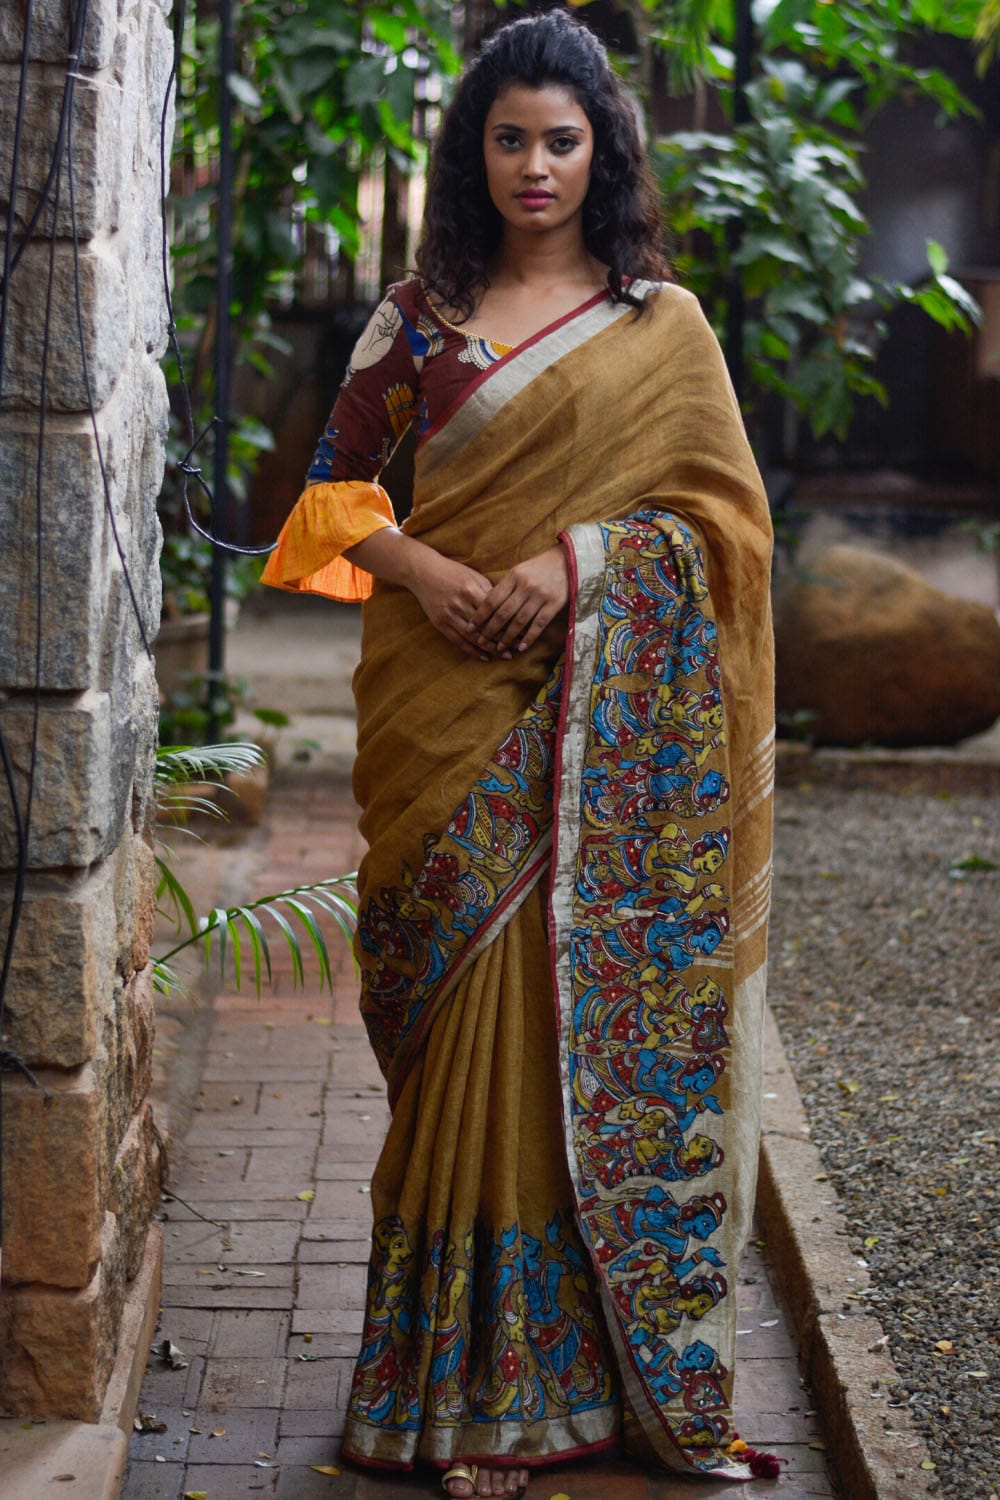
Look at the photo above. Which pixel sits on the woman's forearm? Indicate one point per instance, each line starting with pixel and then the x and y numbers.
pixel 393 556
pixel 448 592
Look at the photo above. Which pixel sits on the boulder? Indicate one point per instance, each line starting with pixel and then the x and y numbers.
pixel 879 656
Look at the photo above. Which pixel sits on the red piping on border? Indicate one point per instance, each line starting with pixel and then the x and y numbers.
pixel 574 590
pixel 484 375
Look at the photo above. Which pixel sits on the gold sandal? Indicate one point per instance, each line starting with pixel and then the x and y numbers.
pixel 461 1471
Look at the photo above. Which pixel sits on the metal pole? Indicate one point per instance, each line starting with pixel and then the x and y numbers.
pixel 223 360
pixel 735 310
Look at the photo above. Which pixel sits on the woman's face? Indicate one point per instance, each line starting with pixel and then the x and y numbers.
pixel 537 147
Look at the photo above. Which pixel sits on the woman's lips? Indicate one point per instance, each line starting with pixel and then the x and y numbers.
pixel 535 199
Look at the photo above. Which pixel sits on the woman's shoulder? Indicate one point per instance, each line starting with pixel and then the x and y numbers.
pixel 674 308
pixel 667 295
pixel 409 295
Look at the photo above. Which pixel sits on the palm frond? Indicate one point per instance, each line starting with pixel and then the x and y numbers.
pixel 173 900
pixel 293 912
pixel 176 764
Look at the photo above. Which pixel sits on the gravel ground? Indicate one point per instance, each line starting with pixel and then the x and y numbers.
pixel 885 959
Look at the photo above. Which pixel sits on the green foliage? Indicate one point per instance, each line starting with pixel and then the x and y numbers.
pixel 186 569
pixel 319 87
pixel 204 704
pixel 772 205
pixel 241 931
pixel 987 35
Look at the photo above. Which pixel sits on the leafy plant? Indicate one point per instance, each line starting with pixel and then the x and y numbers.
pixel 238 931
pixel 321 89
pixel 186 570
pixel 772 206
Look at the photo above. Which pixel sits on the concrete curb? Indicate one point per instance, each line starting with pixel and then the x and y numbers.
pixel 874 1451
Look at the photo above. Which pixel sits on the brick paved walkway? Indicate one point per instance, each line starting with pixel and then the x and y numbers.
pixel 263 1289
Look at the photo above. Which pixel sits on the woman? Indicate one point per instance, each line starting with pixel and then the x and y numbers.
pixel 564 733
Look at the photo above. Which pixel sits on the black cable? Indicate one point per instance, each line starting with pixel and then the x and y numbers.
pixel 73 57
pixel 85 365
pixel 15 162
pixel 10 1059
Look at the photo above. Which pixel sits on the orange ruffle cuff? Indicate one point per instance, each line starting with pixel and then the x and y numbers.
pixel 327 519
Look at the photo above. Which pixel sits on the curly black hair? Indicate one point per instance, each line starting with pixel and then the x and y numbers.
pixel 622 223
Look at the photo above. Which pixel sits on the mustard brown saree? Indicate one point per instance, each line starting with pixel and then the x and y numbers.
pixel 564 906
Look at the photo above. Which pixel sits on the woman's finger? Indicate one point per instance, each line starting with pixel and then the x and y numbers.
pixel 534 630
pixel 492 607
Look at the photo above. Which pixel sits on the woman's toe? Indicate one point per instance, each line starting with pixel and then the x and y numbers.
pixel 461 1487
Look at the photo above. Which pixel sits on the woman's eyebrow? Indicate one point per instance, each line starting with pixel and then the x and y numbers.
pixel 553 129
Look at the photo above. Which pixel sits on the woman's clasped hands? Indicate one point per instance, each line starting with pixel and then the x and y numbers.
pixel 511 615
pixel 496 620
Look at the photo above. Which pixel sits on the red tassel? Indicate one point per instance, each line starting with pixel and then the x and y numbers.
pixel 763 1465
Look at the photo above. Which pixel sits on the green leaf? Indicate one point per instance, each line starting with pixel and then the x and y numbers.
pixel 937 257
pixel 218 922
pixel 974 864
pixel 272 717
pixel 774 245
pixel 791 297
pixel 255 432
pixel 243 91
pixel 237 952
pixel 258 946
pixel 179 902
pixel 298 970
pixel 308 921
pixel 962 299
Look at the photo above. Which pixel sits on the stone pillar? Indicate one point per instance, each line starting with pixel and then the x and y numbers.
pixel 81 1165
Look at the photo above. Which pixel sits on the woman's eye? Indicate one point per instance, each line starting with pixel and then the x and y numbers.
pixel 563 144
pixel 509 142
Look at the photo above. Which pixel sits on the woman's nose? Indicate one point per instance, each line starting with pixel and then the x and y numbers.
pixel 535 165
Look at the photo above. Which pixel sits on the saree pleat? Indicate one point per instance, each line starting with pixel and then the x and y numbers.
pixel 474 1215
pixel 573 1057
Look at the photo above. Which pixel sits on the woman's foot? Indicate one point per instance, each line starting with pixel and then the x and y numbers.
pixel 463 1481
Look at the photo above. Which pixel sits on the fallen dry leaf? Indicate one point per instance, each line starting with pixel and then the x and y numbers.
pixel 306 1196
pixel 945 1345
pixel 219 1432
pixel 325 1469
pixel 61 1478
pixel 195 1495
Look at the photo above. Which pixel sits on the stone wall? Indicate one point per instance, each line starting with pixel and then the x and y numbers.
pixel 81 1166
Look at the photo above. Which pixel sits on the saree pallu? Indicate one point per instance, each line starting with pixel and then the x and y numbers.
pixel 563 918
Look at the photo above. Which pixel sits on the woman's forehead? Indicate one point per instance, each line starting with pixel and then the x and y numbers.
pixel 517 101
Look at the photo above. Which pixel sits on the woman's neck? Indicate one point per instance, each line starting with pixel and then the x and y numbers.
pixel 529 262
